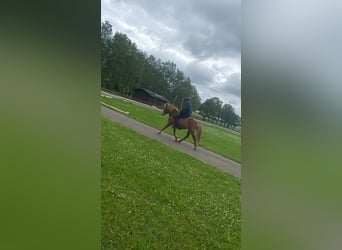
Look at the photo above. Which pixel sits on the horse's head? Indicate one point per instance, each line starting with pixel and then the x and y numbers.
pixel 170 109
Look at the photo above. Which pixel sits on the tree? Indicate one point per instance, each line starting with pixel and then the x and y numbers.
pixel 211 108
pixel 106 36
pixel 106 31
pixel 195 99
pixel 229 117
pixel 227 114
pixel 125 67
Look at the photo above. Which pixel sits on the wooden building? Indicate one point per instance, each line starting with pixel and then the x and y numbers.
pixel 149 97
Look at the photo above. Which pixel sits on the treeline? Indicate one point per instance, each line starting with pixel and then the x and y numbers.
pixel 124 67
pixel 223 114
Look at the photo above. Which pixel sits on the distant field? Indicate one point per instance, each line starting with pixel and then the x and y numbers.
pixel 216 139
pixel 153 200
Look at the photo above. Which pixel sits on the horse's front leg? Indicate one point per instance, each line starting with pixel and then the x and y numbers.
pixel 167 125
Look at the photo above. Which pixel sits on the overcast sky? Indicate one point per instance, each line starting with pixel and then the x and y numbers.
pixel 201 37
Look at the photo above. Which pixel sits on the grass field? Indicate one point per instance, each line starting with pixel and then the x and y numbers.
pixel 153 200
pixel 219 140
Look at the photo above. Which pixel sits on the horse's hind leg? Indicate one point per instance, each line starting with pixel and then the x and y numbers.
pixel 194 138
pixel 187 135
pixel 174 133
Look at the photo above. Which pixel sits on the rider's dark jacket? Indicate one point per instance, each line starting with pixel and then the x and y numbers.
pixel 186 110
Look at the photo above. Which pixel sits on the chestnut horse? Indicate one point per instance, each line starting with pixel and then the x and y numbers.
pixel 184 123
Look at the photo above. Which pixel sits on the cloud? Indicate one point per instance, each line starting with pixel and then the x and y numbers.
pixel 202 37
pixel 233 85
pixel 216 29
pixel 201 74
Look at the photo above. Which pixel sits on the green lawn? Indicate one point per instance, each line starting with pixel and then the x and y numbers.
pixel 153 200
pixel 216 139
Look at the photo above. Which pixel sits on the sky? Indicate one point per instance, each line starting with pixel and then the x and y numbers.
pixel 201 37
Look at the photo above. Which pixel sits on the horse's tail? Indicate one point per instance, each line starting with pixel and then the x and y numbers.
pixel 199 132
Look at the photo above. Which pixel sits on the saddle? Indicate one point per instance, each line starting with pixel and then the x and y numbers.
pixel 175 124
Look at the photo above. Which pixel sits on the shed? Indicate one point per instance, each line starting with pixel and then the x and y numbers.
pixel 149 97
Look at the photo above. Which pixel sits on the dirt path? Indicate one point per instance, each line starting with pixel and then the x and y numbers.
pixel 186 147
pixel 106 94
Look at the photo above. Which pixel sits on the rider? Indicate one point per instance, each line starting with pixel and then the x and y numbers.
pixel 185 112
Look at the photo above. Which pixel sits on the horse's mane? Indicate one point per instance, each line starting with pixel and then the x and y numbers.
pixel 171 107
